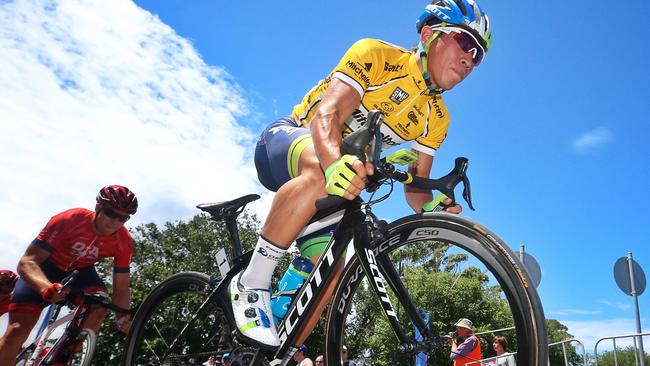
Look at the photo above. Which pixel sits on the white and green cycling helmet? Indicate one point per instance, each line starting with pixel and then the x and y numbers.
pixel 464 14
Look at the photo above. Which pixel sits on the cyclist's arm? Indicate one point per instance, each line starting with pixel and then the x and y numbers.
pixel 337 105
pixel 29 268
pixel 121 290
pixel 421 168
pixel 122 298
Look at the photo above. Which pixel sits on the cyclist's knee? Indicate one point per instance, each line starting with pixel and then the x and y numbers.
pixel 97 312
pixel 95 317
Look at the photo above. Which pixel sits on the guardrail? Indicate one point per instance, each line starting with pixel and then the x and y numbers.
pixel 637 361
pixel 495 360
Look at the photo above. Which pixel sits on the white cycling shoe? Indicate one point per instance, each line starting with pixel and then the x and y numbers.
pixel 253 314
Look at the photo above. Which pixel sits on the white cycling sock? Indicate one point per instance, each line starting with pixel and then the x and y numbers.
pixel 263 262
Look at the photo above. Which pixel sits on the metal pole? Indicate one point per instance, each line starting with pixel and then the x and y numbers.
pixel 636 308
pixel 521 252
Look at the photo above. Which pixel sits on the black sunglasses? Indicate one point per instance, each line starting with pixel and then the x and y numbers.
pixel 469 44
pixel 115 216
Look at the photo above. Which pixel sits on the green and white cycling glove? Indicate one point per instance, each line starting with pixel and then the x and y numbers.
pixel 339 175
pixel 435 205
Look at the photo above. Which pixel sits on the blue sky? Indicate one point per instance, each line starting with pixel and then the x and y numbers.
pixel 554 121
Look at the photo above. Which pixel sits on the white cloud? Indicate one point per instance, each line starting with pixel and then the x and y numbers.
pixel 564 312
pixel 102 92
pixel 617 304
pixel 592 140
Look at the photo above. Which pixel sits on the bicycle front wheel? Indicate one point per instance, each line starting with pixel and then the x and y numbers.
pixel 176 322
pixel 442 260
pixel 78 351
pixel 86 341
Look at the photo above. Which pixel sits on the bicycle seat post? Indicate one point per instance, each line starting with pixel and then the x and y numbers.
pixel 233 230
pixel 228 212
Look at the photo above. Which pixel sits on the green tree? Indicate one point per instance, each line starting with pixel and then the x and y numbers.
pixel 438 282
pixel 558 332
pixel 162 252
pixel 625 356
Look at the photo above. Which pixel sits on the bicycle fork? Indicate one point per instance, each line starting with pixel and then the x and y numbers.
pixel 366 236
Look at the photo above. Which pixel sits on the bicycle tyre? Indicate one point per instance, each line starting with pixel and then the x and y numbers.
pixel 84 357
pixel 522 297
pixel 165 311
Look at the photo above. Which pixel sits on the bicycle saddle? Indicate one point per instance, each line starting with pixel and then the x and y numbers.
pixel 223 210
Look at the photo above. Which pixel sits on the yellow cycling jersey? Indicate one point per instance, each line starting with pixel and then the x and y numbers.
pixel 387 78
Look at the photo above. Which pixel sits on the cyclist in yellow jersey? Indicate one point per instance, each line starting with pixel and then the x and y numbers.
pixel 299 156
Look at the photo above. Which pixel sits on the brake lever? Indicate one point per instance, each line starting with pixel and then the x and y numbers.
pixel 461 166
pixel 467 192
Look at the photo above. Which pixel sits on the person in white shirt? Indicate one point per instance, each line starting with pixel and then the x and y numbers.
pixel 301 357
pixel 500 345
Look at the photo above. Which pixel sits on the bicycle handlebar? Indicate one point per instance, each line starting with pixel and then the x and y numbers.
pixel 67 282
pixel 93 298
pixel 369 136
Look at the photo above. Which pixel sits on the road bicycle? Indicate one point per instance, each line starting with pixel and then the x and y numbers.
pixel 190 312
pixel 75 345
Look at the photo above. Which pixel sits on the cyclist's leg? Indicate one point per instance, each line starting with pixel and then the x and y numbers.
pixel 24 311
pixel 286 162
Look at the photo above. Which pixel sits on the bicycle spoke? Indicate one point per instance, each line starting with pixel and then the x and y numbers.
pixel 178 322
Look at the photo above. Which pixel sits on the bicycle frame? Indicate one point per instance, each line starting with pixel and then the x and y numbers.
pixel 356 225
pixel 74 320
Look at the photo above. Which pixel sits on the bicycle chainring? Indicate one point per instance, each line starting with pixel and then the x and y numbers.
pixel 242 356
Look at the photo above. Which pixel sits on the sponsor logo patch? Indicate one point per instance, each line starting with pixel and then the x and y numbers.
pixel 399 95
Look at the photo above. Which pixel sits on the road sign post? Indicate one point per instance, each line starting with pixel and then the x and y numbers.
pixel 631 280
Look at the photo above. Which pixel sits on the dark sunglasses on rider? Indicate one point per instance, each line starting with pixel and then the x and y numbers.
pixel 468 44
pixel 115 216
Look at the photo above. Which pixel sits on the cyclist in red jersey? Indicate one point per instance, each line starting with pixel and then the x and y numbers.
pixel 74 239
pixel 7 283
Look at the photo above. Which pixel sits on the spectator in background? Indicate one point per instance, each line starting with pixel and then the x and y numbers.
pixel 467 348
pixel 504 358
pixel 225 359
pixel 191 362
pixel 210 362
pixel 320 360
pixel 346 361
pixel 301 357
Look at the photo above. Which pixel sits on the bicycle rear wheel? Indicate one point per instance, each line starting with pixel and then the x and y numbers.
pixel 352 317
pixel 170 326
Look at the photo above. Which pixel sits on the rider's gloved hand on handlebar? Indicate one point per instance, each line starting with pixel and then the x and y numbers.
pixel 442 203
pixel 123 322
pixel 54 293
pixel 455 209
pixel 346 177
